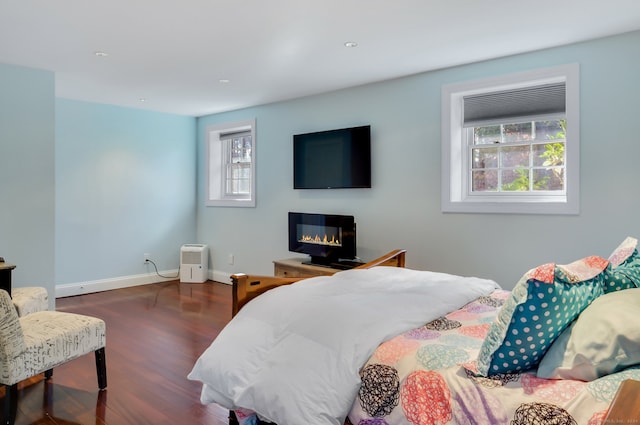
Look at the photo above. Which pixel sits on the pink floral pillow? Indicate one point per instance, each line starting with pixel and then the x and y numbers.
pixel 624 272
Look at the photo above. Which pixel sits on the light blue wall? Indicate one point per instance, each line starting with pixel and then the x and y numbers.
pixel 402 210
pixel 124 187
pixel 27 189
pixel 86 189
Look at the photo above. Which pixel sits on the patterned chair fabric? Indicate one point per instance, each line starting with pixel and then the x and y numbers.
pixel 30 299
pixel 42 340
pixel 12 343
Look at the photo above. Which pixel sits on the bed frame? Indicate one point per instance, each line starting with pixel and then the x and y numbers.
pixel 247 287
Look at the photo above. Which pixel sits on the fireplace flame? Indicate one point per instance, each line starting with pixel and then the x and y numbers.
pixel 317 240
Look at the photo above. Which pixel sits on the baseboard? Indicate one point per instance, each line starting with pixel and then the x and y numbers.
pixel 220 276
pixel 80 288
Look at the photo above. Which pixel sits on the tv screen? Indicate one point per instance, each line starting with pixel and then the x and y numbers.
pixel 333 159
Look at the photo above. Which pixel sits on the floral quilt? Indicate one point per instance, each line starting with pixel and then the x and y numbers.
pixel 418 378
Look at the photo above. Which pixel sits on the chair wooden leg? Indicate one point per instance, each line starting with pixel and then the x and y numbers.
pixel 101 368
pixel 48 373
pixel 233 420
pixel 10 404
pixel 48 397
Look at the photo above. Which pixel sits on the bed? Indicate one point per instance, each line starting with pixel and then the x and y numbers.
pixel 400 346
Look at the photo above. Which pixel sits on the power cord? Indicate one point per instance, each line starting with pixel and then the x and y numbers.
pixel 161 275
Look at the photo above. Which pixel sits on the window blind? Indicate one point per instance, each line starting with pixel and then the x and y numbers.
pixel 235 134
pixel 503 106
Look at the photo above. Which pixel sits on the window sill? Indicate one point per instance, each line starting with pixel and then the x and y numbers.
pixel 247 203
pixel 534 207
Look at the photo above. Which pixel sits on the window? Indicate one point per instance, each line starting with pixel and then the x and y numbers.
pixel 511 144
pixel 231 165
pixel 237 168
pixel 525 157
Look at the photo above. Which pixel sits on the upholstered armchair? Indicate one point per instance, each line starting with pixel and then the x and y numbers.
pixel 40 341
pixel 30 299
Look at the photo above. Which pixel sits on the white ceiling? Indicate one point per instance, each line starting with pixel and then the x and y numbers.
pixel 173 53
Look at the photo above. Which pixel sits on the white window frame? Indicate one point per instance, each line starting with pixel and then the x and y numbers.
pixel 216 195
pixel 229 164
pixel 455 166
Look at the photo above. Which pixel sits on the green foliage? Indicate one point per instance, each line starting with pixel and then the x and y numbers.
pixel 520 183
pixel 553 154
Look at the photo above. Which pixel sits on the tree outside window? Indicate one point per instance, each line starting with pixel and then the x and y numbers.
pixel 519 157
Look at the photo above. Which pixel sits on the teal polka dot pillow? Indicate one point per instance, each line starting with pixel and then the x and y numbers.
pixel 624 271
pixel 542 304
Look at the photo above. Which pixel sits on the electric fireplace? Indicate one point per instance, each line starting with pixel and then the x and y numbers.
pixel 328 239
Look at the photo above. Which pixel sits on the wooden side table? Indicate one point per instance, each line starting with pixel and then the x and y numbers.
pixel 5 276
pixel 625 407
pixel 294 267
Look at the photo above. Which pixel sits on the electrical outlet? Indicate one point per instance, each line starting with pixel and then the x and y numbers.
pixel 147 257
pixel 231 259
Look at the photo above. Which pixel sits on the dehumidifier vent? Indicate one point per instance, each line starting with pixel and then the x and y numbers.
pixel 190 257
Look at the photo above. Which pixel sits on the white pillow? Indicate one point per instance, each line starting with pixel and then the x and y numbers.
pixel 605 338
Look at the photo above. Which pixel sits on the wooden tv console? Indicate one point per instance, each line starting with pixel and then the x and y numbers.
pixel 295 267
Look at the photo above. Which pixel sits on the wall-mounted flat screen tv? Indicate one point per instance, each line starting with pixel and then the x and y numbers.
pixel 333 159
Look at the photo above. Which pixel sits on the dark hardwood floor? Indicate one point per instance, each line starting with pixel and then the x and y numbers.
pixel 155 333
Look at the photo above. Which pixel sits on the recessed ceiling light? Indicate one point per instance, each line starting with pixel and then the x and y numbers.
pixel 224 81
pixel 101 54
pixel 142 100
pixel 350 44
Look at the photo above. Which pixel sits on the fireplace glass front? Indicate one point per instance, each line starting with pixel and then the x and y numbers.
pixel 326 238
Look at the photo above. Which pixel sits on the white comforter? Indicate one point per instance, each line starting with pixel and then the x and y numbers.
pixel 293 354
